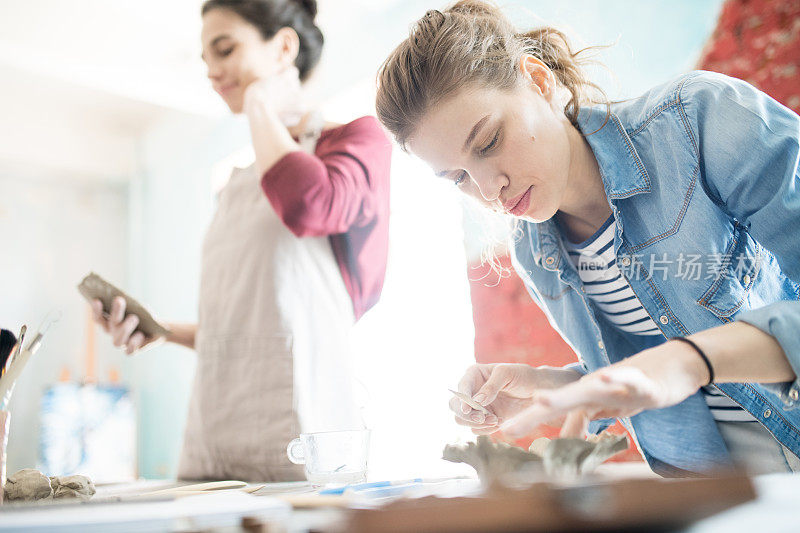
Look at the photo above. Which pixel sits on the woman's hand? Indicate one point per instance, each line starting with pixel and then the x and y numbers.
pixel 273 105
pixel 280 94
pixel 505 390
pixel 121 328
pixel 652 379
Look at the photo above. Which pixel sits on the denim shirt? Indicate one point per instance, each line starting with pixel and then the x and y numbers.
pixel 701 175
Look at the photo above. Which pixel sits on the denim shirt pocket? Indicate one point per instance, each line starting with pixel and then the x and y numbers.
pixel 548 284
pixel 736 272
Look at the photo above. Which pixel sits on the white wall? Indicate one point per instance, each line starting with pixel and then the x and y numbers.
pixel 54 229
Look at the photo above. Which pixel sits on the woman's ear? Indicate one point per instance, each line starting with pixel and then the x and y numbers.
pixel 537 75
pixel 288 45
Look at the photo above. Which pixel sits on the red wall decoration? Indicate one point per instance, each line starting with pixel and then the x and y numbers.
pixel 759 41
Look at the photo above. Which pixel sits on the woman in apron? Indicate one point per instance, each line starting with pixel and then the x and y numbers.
pixel 295 253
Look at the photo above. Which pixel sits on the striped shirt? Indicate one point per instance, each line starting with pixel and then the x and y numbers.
pixel 608 289
pixel 604 284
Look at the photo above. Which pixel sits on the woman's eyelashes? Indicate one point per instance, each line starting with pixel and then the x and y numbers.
pixel 486 150
pixel 492 144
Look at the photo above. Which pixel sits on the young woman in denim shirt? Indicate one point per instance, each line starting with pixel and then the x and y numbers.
pixel 637 222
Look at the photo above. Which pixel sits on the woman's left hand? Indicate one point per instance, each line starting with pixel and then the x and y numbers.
pixel 652 379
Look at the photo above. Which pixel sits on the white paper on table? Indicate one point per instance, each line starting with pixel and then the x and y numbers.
pixel 221 509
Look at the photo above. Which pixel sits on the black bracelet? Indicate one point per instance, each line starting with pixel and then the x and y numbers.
pixel 701 354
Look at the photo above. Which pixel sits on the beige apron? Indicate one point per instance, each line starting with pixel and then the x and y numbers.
pixel 272 342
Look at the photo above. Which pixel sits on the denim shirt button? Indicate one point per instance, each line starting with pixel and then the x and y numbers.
pixel 626 261
pixel 746 279
pixel 601 345
pixel 664 319
pixel 549 260
pixel 768 413
pixel 793 394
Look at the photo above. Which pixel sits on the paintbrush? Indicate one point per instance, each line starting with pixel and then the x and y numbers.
pixel 18 348
pixel 20 358
pixel 14 351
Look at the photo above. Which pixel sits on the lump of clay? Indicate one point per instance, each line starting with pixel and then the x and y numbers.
pixel 565 457
pixel 569 457
pixel 32 485
pixel 28 485
pixel 492 460
pixel 72 487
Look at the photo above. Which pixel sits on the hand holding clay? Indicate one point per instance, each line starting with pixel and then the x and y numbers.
pixel 505 390
pixel 121 328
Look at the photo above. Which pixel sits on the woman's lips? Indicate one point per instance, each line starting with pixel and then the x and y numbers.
pixel 226 89
pixel 517 206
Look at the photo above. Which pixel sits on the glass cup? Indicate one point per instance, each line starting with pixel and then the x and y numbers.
pixel 332 456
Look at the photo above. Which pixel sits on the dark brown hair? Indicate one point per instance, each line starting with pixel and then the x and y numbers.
pixel 269 16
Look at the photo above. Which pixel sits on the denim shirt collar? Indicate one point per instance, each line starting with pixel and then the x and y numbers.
pixel 621 170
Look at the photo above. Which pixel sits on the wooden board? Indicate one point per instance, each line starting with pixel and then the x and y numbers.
pixel 630 504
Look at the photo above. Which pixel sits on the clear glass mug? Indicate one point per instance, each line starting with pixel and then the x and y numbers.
pixel 332 456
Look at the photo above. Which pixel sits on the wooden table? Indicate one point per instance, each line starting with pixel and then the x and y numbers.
pixel 776 508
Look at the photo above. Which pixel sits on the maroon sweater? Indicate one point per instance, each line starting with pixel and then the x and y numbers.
pixel 341 191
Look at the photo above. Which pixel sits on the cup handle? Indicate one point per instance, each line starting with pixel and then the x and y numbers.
pixel 295 452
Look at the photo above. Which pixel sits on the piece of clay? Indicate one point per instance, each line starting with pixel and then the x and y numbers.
pixel 565 457
pixel 32 485
pixel 72 487
pixel 94 287
pixel 606 446
pixel 27 485
pixel 570 457
pixel 539 446
pixel 469 401
pixel 492 460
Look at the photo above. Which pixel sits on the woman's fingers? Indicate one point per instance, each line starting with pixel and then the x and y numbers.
pixel 618 388
pixel 121 328
pixel 470 382
pixel 97 314
pixel 124 330
pixel 529 419
pixel 499 379
pixel 136 341
pixel 553 404
pixel 623 391
pixel 469 416
pixel 474 380
pixel 576 425
pixel 478 420
pixel 471 424
pixel 457 406
pixel 117 311
pixel 488 430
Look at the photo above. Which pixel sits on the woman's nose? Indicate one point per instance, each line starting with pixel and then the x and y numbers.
pixel 490 185
pixel 214 72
